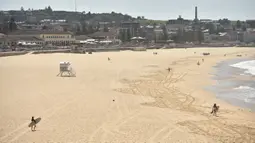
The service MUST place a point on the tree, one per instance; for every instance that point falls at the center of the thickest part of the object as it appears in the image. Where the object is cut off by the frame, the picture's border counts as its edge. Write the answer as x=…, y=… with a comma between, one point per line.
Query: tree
x=220, y=29
x=234, y=28
x=180, y=18
x=48, y=10
x=90, y=29
x=224, y=21
x=44, y=27
x=12, y=24
x=211, y=28
x=244, y=28
x=89, y=14
x=154, y=25
x=238, y=24
x=22, y=9
x=84, y=27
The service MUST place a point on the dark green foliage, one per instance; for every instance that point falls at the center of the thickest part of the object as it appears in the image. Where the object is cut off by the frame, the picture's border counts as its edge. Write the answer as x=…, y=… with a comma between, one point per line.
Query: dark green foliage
x=12, y=25
x=244, y=28
x=106, y=29
x=238, y=24
x=224, y=21
x=211, y=28
x=49, y=13
x=90, y=29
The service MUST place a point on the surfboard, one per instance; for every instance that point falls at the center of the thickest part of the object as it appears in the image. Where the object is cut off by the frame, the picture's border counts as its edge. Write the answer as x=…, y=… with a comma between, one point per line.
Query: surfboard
x=36, y=122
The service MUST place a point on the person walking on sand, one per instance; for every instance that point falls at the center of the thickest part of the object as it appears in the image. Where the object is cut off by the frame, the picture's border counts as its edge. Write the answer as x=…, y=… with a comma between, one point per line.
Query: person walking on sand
x=169, y=69
x=215, y=109
x=34, y=124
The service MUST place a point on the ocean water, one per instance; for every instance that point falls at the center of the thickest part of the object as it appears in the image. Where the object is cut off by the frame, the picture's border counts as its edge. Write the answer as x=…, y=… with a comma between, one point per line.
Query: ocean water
x=246, y=93
x=234, y=82
x=248, y=66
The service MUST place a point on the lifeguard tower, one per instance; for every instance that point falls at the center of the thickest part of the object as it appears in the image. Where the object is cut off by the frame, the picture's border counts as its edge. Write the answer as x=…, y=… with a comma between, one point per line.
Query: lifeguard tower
x=65, y=67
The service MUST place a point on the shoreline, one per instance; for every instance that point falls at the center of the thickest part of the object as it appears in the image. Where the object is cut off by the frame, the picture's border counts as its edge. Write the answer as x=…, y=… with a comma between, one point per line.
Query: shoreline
x=209, y=81
x=228, y=79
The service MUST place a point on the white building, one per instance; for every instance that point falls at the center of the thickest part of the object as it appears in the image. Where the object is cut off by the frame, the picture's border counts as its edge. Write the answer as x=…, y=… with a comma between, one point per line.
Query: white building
x=207, y=37
x=158, y=33
x=249, y=36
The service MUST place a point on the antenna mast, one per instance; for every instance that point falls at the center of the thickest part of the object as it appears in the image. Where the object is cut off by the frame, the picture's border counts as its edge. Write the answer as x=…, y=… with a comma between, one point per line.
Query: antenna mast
x=75, y=6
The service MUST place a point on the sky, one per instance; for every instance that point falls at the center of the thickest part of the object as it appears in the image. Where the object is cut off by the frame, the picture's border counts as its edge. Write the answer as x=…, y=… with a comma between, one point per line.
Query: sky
x=156, y=9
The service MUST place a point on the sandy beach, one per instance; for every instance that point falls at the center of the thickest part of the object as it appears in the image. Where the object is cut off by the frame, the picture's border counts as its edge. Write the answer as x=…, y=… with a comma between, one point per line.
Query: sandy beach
x=130, y=99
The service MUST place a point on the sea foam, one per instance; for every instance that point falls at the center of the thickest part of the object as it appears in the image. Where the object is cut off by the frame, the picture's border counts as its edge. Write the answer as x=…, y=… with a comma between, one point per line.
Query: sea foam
x=245, y=93
x=248, y=66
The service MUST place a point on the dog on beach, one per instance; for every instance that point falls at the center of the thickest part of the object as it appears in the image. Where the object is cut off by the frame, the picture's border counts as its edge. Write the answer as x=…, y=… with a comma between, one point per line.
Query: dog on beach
x=109, y=59
x=215, y=109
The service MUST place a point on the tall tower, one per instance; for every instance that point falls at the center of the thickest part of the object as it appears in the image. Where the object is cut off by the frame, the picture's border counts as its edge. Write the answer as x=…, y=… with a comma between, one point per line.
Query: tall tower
x=196, y=13
x=197, y=28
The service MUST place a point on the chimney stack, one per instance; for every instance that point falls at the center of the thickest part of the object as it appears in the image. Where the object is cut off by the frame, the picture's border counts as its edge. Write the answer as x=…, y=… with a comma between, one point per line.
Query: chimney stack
x=196, y=13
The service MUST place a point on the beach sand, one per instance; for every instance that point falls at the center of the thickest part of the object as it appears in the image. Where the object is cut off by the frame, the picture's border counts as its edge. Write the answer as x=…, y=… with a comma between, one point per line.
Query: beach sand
x=130, y=99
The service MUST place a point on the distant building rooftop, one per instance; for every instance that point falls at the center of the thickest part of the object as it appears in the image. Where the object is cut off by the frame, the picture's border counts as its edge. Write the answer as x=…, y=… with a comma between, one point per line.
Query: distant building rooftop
x=22, y=38
x=82, y=37
x=37, y=32
x=129, y=22
x=103, y=34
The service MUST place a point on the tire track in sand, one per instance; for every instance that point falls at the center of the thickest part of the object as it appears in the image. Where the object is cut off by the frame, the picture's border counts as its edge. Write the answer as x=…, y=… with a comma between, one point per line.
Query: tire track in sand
x=168, y=98
x=111, y=128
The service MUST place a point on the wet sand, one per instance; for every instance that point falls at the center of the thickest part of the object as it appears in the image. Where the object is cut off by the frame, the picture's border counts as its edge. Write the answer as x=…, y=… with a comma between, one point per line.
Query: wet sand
x=132, y=98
